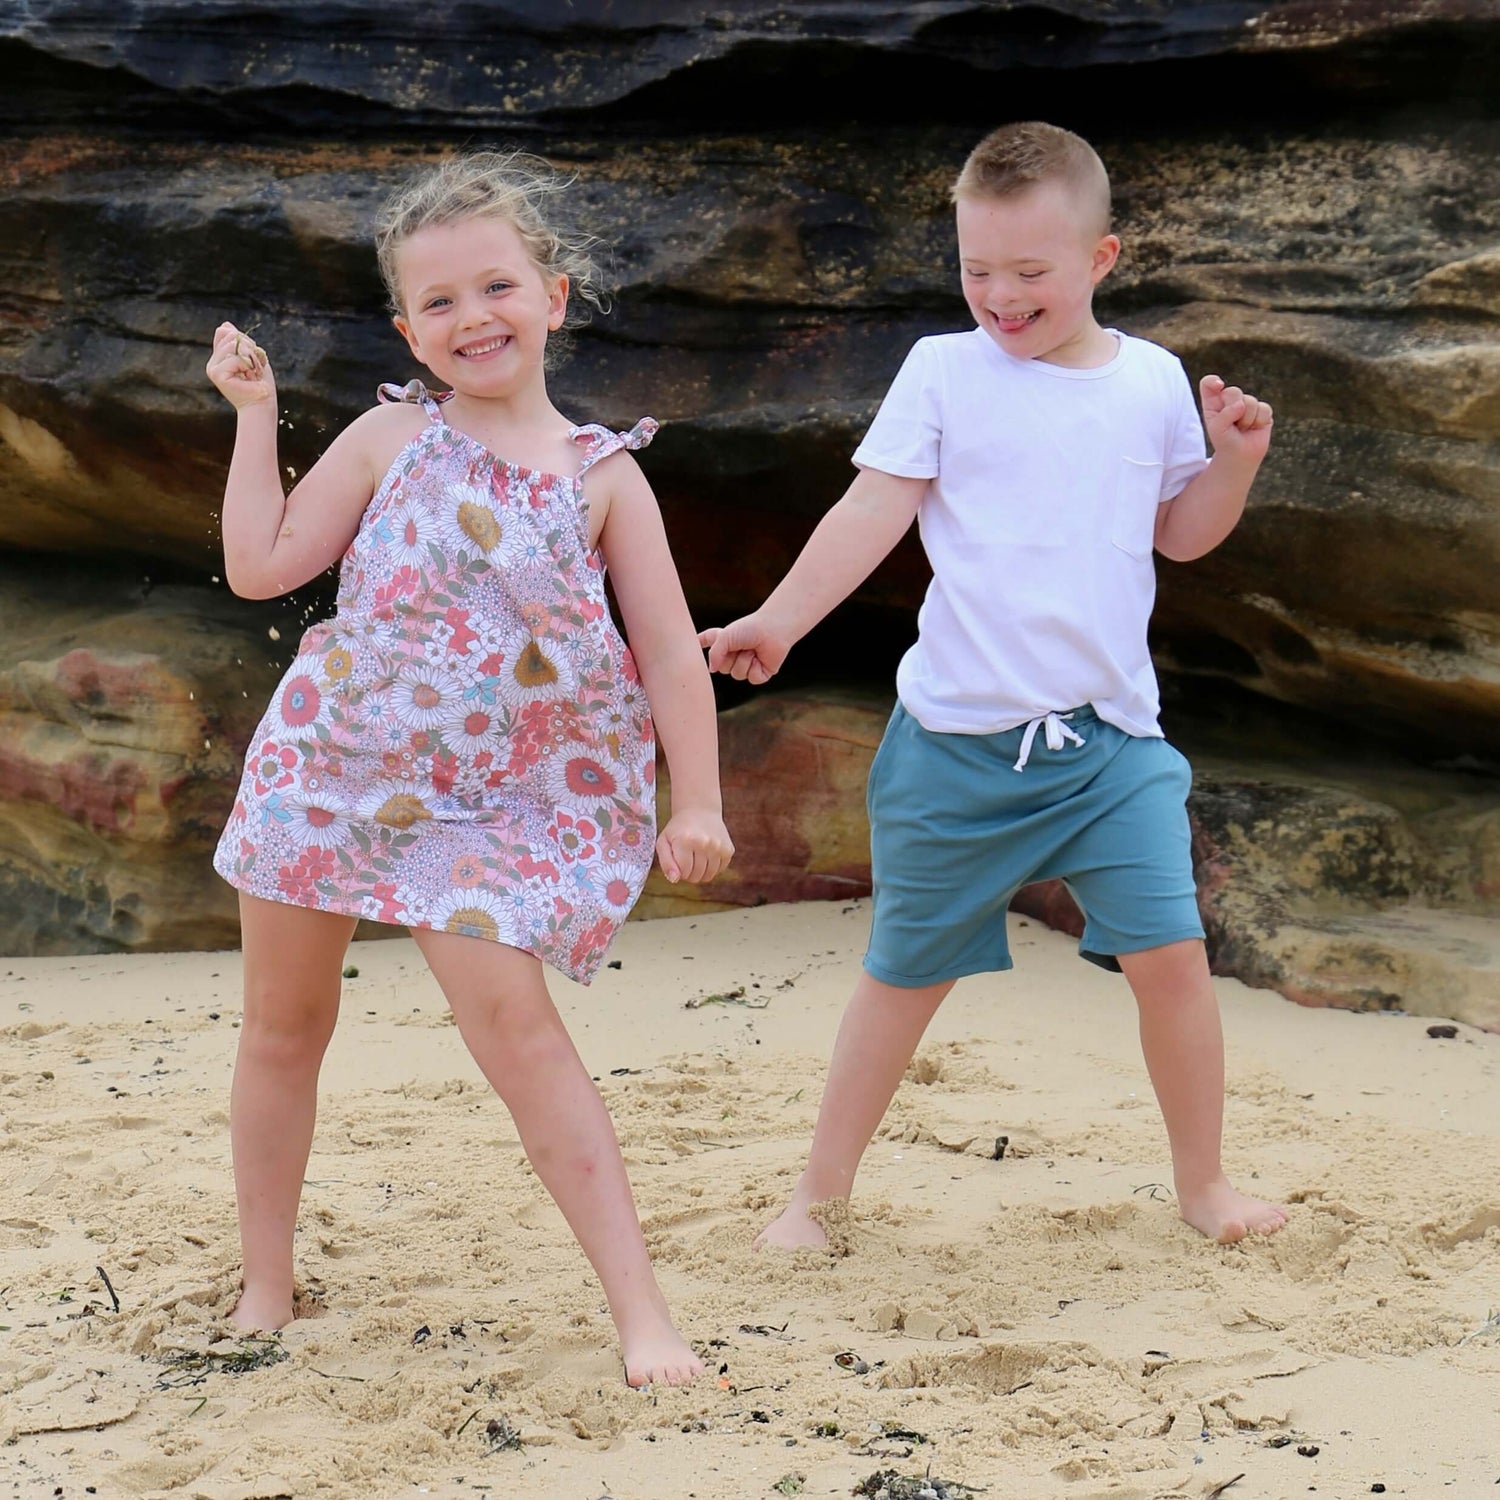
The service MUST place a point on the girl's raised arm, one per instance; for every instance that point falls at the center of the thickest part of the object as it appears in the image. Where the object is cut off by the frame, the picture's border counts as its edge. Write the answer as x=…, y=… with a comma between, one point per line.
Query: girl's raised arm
x=274, y=542
x=695, y=845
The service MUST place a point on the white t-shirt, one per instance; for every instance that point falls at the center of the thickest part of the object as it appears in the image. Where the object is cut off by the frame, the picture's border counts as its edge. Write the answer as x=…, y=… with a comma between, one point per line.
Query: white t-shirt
x=1038, y=524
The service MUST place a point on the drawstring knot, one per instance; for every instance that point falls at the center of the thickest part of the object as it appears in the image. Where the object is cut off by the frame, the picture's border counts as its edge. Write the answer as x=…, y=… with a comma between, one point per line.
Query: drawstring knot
x=1057, y=732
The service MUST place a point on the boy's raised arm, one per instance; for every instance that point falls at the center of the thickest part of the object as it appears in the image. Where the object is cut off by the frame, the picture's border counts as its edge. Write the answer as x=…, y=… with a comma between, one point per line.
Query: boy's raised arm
x=1209, y=508
x=847, y=546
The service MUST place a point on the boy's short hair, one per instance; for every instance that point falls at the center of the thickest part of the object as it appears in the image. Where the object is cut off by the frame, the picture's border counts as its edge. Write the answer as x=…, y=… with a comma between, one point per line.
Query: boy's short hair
x=1023, y=155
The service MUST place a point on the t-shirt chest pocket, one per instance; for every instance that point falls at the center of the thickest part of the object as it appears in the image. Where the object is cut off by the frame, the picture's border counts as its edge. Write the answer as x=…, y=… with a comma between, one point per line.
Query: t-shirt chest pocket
x=1137, y=494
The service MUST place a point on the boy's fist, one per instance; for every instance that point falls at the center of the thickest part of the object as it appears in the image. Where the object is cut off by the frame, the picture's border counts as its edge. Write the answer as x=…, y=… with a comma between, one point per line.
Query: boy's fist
x=748, y=650
x=1238, y=424
x=239, y=368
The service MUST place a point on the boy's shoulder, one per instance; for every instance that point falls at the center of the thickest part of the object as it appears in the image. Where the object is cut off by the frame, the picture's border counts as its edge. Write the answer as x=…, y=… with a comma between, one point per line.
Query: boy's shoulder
x=1152, y=354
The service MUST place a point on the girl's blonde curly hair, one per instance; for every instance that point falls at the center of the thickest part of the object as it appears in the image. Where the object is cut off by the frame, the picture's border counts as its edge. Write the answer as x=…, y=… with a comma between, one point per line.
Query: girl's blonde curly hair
x=513, y=186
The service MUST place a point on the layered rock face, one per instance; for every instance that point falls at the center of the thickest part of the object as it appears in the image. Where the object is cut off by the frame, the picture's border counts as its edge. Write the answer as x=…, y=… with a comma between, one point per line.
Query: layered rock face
x=1307, y=193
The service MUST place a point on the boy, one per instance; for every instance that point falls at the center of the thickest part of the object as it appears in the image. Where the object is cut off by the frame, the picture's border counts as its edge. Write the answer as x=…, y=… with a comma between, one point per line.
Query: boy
x=1044, y=458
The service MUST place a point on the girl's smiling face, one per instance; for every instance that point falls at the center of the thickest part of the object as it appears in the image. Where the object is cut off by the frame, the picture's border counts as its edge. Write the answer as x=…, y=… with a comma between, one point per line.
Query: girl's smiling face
x=477, y=308
x=1030, y=263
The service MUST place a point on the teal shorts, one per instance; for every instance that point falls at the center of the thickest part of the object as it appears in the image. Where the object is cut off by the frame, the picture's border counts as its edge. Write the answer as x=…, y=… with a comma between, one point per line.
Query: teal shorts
x=956, y=831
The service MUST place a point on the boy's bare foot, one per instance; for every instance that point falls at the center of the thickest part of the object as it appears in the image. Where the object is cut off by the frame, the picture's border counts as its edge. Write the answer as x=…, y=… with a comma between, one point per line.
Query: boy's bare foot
x=795, y=1229
x=659, y=1357
x=258, y=1312
x=1225, y=1214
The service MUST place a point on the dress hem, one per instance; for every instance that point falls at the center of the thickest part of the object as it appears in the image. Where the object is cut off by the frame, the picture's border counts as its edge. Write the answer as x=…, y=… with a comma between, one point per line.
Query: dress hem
x=333, y=909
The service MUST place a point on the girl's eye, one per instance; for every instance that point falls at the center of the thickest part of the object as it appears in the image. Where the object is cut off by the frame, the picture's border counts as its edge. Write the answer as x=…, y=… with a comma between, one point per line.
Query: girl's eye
x=498, y=286
x=436, y=303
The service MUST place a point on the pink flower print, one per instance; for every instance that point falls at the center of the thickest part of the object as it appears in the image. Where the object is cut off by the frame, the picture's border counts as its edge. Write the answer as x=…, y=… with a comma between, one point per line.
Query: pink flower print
x=299, y=880
x=583, y=781
x=274, y=767
x=574, y=837
x=591, y=610
x=387, y=906
x=592, y=943
x=467, y=872
x=463, y=637
x=298, y=702
x=531, y=869
x=623, y=840
x=444, y=773
x=403, y=582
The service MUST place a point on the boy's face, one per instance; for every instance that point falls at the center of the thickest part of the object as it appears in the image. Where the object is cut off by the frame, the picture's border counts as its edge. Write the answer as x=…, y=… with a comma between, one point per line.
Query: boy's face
x=1030, y=264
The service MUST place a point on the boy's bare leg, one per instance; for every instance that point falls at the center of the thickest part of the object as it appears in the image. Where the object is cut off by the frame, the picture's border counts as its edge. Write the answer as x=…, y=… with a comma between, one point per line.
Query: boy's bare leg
x=877, y=1037
x=506, y=1017
x=1184, y=1046
x=293, y=961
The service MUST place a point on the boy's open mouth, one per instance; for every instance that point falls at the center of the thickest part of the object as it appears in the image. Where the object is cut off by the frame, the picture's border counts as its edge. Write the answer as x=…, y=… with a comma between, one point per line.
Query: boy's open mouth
x=487, y=346
x=1015, y=322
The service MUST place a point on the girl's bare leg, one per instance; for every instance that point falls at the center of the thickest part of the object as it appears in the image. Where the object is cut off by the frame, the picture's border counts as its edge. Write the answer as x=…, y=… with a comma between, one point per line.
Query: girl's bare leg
x=507, y=1019
x=293, y=961
x=1184, y=1046
x=877, y=1037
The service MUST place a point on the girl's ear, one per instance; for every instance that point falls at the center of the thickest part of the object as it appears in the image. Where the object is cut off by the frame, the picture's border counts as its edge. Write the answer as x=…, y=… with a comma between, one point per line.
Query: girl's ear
x=557, y=304
x=404, y=329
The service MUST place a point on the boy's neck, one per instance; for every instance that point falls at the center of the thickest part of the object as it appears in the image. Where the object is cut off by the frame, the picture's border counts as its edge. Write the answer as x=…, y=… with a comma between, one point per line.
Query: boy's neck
x=1090, y=347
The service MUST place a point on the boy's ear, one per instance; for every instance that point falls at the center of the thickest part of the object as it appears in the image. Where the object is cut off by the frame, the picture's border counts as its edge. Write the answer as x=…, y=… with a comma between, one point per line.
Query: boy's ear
x=404, y=329
x=557, y=304
x=1106, y=253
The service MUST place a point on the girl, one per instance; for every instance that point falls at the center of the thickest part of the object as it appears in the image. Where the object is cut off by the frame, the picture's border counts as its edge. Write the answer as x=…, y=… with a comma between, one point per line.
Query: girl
x=465, y=749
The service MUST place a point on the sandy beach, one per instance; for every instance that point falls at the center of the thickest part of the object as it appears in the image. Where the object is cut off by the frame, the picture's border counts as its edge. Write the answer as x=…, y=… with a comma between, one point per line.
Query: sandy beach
x=1018, y=1307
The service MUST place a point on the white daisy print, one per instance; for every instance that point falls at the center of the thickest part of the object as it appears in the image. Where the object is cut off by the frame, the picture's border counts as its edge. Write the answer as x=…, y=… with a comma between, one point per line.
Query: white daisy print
x=533, y=669
x=425, y=695
x=478, y=525
x=318, y=821
x=475, y=913
x=473, y=727
x=409, y=530
x=529, y=902
x=617, y=886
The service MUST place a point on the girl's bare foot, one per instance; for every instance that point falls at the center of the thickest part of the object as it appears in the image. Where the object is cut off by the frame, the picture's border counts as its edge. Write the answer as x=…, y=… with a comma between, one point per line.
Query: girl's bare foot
x=795, y=1229
x=1225, y=1214
x=260, y=1312
x=659, y=1356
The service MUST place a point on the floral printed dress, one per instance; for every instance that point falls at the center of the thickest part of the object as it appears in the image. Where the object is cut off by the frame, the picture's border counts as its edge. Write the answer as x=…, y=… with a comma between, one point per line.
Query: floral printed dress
x=466, y=745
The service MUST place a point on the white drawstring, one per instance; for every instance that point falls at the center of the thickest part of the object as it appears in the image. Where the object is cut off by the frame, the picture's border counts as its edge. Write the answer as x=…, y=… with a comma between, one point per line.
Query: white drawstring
x=1057, y=732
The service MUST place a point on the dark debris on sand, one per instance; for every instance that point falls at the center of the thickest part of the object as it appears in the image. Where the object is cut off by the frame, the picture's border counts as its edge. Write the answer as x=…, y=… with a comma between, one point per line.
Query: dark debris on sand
x=887, y=1484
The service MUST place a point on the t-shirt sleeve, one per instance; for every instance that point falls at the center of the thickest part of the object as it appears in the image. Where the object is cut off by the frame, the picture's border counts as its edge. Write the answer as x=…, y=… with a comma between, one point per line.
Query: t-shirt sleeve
x=907, y=431
x=1187, y=456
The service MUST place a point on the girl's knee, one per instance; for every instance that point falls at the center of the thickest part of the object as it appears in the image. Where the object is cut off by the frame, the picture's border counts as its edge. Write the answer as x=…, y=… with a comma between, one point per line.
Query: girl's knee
x=291, y=1032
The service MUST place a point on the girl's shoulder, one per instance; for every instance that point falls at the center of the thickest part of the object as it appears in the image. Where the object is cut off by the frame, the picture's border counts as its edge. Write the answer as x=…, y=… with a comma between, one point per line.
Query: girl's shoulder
x=383, y=430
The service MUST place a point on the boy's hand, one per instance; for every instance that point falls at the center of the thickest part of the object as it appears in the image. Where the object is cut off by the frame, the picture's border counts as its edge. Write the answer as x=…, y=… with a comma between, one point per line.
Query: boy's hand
x=239, y=368
x=1238, y=425
x=694, y=846
x=749, y=650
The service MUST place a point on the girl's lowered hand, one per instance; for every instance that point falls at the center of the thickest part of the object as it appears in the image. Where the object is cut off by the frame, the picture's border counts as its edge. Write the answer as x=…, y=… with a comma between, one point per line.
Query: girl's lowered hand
x=239, y=368
x=694, y=846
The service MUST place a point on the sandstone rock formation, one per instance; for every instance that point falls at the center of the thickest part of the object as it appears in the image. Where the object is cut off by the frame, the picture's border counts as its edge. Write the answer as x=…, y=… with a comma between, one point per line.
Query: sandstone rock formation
x=1307, y=191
